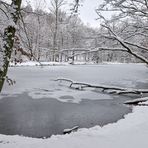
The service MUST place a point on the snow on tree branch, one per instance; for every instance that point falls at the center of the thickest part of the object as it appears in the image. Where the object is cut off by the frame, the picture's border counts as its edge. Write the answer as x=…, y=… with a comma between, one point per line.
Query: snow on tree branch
x=127, y=27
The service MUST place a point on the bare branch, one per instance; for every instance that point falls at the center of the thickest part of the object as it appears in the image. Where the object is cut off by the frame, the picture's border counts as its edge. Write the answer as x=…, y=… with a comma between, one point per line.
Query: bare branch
x=4, y=13
x=135, y=45
x=124, y=44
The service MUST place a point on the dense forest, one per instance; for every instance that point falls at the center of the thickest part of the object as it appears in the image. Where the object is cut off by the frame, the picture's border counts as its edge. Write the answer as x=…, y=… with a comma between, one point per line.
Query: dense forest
x=59, y=36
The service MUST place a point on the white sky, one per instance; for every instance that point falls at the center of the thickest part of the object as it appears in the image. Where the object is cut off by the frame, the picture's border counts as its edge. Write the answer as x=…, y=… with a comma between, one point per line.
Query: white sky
x=87, y=10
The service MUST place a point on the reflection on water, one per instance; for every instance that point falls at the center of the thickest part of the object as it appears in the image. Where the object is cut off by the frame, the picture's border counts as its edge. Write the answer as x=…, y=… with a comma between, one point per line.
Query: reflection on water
x=41, y=118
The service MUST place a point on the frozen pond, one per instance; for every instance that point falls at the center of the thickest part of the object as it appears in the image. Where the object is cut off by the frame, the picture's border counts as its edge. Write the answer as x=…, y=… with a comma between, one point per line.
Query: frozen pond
x=37, y=106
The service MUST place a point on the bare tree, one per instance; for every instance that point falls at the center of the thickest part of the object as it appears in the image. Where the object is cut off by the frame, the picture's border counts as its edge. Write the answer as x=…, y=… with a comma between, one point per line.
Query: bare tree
x=55, y=9
x=131, y=29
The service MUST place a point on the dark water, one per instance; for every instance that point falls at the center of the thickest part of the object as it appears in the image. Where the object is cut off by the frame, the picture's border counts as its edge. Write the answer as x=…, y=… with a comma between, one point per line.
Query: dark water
x=23, y=115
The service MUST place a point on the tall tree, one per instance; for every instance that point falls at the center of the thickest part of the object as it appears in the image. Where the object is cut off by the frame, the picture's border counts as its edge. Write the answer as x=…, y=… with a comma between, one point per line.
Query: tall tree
x=8, y=37
x=55, y=9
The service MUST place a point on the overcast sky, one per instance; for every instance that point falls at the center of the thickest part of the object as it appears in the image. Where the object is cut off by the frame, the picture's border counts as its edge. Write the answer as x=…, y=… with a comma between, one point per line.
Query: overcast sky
x=87, y=10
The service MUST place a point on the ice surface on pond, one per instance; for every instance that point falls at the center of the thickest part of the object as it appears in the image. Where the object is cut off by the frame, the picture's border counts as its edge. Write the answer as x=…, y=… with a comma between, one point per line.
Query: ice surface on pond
x=39, y=81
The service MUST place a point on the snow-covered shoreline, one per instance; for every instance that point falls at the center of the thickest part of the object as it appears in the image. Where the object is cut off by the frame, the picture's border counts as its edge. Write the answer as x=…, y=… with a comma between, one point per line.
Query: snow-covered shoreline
x=131, y=132
x=35, y=63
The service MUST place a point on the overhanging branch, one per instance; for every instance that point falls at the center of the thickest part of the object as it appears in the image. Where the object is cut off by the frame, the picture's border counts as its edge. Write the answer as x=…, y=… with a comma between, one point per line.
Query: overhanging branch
x=124, y=44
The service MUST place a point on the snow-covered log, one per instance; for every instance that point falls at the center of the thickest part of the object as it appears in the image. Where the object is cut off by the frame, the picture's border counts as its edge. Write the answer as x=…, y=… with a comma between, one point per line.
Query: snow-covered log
x=68, y=131
x=132, y=91
x=137, y=101
x=79, y=85
x=103, y=88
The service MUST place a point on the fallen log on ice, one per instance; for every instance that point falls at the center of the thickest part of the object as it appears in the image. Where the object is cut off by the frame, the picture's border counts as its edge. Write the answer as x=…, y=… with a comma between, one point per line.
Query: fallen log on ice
x=139, y=101
x=79, y=85
x=103, y=88
x=68, y=131
x=130, y=91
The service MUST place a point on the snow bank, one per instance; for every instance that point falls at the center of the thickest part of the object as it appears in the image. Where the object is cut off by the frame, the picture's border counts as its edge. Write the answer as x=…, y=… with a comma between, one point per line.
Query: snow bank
x=33, y=63
x=131, y=132
x=116, y=62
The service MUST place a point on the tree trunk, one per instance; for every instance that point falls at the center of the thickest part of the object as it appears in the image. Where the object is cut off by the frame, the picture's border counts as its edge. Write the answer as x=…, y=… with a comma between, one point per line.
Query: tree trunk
x=8, y=39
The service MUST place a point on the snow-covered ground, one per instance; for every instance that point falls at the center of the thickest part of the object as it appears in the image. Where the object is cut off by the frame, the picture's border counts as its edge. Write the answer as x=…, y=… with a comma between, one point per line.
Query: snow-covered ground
x=131, y=132
x=34, y=63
